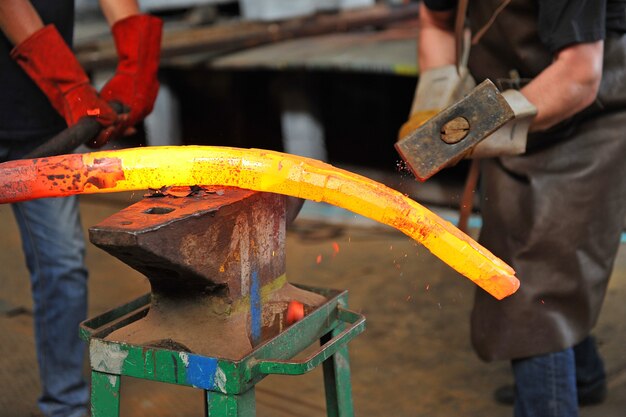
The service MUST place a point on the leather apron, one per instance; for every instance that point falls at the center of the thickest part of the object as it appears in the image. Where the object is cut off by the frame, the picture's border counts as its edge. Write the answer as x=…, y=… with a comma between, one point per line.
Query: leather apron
x=556, y=213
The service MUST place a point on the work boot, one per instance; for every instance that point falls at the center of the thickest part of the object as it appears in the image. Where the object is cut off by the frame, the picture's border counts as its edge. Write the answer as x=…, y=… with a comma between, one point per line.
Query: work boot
x=593, y=394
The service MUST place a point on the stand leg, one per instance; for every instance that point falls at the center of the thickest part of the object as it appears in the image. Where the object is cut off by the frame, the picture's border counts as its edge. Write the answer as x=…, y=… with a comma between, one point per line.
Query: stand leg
x=105, y=395
x=223, y=405
x=337, y=381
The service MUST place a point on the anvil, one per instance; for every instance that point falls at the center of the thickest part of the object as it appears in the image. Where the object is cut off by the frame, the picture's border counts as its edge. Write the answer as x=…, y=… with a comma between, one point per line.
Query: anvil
x=215, y=260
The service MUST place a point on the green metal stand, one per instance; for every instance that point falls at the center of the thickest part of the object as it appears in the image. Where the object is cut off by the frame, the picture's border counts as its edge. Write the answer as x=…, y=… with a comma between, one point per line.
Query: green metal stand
x=229, y=385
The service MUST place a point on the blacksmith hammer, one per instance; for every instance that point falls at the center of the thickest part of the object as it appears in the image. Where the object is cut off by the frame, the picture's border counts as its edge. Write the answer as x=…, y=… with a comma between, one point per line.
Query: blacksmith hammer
x=450, y=135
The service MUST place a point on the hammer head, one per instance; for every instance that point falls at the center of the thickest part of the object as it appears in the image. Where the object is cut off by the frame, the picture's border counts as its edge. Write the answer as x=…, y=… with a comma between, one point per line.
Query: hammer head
x=447, y=137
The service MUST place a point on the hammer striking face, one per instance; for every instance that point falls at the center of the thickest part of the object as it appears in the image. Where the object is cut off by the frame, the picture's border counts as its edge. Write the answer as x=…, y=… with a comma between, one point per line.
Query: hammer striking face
x=446, y=137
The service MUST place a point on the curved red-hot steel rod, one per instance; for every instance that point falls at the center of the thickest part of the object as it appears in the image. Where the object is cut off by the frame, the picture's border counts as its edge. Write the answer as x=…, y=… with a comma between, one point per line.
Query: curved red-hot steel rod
x=260, y=170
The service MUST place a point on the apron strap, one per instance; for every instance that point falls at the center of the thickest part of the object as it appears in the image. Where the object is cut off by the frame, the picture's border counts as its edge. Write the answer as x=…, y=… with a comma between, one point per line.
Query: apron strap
x=480, y=32
x=461, y=34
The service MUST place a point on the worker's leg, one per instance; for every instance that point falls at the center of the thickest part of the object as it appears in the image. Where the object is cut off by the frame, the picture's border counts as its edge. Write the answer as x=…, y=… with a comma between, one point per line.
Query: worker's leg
x=545, y=385
x=590, y=374
x=54, y=247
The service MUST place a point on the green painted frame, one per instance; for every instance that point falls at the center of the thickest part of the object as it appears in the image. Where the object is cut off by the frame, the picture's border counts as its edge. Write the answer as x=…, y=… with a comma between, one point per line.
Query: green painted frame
x=228, y=384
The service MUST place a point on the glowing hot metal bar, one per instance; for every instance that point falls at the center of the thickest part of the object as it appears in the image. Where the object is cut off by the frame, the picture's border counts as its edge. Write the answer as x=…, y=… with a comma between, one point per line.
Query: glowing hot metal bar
x=260, y=170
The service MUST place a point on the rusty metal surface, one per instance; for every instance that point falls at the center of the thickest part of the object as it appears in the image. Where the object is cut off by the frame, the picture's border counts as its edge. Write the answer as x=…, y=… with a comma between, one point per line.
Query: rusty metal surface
x=440, y=141
x=234, y=36
x=216, y=264
x=193, y=243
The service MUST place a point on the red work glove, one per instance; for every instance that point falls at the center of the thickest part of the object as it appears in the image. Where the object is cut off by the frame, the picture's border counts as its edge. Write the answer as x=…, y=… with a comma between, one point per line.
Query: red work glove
x=135, y=84
x=50, y=63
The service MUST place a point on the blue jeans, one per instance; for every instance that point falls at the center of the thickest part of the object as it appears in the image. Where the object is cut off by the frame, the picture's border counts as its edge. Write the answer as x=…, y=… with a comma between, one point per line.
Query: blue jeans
x=54, y=247
x=546, y=385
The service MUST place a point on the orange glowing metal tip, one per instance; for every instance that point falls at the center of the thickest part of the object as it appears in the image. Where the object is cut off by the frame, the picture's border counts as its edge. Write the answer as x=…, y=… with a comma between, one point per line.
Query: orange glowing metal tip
x=260, y=170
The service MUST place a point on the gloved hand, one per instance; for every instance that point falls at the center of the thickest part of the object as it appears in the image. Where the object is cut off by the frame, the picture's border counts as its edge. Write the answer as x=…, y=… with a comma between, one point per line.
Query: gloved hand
x=135, y=84
x=437, y=89
x=50, y=63
x=511, y=138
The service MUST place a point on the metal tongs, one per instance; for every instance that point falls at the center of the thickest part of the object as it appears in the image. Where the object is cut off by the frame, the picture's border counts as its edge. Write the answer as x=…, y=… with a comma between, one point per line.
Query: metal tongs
x=85, y=130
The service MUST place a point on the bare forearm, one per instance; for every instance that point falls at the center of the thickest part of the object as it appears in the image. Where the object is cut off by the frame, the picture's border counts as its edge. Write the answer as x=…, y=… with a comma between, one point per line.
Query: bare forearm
x=436, y=42
x=115, y=10
x=18, y=20
x=567, y=86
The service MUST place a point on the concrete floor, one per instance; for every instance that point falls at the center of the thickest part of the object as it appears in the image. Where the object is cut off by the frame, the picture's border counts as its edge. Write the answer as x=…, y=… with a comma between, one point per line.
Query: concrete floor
x=414, y=358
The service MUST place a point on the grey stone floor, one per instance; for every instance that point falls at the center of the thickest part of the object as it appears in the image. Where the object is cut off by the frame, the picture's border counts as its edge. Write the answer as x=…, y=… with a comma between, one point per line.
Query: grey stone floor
x=414, y=358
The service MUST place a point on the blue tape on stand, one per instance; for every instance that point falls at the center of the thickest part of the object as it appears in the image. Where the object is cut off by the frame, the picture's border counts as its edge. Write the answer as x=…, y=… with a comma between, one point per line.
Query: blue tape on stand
x=255, y=307
x=201, y=371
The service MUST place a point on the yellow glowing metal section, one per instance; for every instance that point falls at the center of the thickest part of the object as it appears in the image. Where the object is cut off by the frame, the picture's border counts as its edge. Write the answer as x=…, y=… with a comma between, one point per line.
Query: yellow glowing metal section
x=260, y=170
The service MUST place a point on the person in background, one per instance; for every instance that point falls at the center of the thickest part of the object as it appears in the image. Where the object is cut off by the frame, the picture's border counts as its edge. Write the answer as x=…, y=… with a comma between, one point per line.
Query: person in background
x=555, y=211
x=44, y=90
